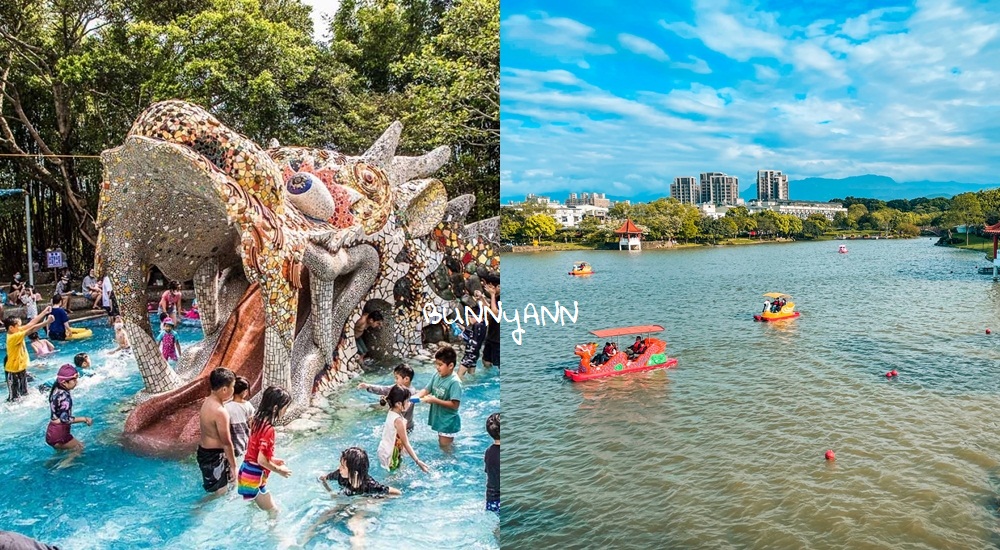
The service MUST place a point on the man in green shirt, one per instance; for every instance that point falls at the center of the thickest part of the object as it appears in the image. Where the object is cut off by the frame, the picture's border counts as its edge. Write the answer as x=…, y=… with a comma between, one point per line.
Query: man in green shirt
x=444, y=393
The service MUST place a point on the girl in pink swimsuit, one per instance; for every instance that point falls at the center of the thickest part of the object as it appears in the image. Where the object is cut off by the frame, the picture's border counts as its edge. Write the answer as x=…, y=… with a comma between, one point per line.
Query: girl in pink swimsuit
x=170, y=347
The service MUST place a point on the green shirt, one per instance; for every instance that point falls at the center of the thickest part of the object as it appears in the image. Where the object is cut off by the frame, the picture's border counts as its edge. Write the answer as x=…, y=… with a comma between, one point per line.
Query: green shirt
x=443, y=419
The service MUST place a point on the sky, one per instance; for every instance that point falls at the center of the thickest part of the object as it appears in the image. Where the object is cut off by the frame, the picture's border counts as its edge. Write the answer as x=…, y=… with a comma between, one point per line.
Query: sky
x=620, y=98
x=321, y=9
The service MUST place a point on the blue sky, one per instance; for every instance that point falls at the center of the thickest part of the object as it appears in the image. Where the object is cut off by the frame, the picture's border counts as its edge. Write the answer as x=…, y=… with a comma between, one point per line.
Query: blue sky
x=621, y=97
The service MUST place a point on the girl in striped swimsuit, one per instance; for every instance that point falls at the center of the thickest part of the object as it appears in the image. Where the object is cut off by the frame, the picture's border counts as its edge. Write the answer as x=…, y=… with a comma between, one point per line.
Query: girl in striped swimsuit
x=260, y=460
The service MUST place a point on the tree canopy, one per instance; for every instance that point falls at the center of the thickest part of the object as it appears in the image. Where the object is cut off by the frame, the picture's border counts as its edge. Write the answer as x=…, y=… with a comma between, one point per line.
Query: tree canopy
x=74, y=75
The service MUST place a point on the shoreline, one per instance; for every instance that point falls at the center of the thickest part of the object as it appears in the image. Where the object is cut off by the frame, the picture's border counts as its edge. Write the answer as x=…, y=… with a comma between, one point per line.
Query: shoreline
x=659, y=245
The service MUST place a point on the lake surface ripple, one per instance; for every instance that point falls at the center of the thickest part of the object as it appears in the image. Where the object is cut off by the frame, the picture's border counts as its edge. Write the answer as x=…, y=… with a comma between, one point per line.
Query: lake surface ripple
x=727, y=449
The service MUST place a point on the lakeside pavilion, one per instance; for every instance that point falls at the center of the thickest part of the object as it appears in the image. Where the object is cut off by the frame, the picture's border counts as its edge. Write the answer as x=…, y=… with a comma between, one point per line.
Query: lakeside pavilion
x=629, y=236
x=994, y=230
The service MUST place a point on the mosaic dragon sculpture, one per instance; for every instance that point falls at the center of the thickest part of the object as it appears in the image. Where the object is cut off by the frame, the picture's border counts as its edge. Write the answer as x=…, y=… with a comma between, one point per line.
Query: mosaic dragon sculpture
x=286, y=246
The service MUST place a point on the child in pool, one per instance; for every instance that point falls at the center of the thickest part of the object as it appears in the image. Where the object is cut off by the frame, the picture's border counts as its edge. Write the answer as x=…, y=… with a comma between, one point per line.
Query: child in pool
x=403, y=374
x=444, y=393
x=492, y=460
x=240, y=412
x=170, y=346
x=58, y=434
x=394, y=439
x=260, y=460
x=83, y=370
x=353, y=478
x=473, y=336
x=120, y=337
x=41, y=346
x=29, y=298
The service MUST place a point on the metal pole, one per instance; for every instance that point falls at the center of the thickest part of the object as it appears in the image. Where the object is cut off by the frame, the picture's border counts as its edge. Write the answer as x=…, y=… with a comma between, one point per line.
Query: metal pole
x=27, y=218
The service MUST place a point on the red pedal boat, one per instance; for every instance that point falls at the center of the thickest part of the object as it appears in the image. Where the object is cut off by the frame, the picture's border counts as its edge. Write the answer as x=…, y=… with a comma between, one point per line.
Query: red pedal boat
x=652, y=354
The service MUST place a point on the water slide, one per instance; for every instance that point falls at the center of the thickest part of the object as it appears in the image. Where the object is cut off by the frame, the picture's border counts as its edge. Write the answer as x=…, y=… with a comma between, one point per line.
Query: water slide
x=167, y=424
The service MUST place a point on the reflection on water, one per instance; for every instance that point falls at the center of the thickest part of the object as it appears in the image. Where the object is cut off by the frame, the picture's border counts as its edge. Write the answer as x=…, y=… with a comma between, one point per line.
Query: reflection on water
x=726, y=449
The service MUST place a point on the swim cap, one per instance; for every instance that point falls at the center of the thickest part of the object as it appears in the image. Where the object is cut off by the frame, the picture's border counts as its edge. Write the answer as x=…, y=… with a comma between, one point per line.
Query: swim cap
x=66, y=372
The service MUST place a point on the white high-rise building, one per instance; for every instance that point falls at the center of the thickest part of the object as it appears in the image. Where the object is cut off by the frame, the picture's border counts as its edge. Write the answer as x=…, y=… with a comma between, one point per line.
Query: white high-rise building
x=685, y=189
x=599, y=200
x=772, y=185
x=719, y=189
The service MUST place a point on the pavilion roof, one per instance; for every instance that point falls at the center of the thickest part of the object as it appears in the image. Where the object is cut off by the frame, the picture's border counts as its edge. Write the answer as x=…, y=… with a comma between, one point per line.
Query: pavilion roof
x=992, y=229
x=628, y=227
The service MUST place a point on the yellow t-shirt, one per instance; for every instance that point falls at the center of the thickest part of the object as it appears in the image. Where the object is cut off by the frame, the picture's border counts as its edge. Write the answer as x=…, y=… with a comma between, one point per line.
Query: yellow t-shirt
x=17, y=353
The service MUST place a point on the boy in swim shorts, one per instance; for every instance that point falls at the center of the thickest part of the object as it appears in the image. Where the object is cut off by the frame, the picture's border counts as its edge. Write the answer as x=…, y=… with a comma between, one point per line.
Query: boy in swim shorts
x=216, y=456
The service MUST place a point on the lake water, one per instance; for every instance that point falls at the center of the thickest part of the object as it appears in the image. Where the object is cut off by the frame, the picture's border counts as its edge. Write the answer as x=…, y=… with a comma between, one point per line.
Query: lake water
x=727, y=449
x=111, y=498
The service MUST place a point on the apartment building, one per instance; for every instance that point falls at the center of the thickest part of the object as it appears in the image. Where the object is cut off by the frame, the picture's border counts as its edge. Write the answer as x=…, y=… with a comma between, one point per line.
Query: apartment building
x=719, y=189
x=588, y=199
x=685, y=189
x=772, y=185
x=799, y=209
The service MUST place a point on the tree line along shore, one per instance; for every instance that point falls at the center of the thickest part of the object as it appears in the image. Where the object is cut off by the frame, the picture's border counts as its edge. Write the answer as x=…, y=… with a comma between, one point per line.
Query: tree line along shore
x=668, y=223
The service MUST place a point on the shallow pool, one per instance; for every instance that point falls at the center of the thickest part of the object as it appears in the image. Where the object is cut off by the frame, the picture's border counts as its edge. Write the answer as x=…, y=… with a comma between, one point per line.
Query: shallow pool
x=111, y=498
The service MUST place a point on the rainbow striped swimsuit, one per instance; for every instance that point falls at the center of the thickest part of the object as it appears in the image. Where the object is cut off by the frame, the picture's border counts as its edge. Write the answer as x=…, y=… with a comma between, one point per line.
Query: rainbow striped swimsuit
x=252, y=480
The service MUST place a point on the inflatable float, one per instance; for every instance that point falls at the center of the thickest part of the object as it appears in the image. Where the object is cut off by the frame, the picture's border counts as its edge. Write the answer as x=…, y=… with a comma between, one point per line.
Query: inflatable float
x=79, y=333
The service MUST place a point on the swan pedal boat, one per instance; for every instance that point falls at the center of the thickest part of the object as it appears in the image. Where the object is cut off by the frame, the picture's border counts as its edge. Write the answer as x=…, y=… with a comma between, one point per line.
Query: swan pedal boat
x=654, y=356
x=786, y=312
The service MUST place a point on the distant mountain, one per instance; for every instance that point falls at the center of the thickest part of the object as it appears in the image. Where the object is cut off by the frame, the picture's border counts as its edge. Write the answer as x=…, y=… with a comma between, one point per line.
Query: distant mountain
x=870, y=186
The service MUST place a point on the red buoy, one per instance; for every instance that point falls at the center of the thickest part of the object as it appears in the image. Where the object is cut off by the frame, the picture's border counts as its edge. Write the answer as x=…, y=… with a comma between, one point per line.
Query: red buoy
x=888, y=374
x=893, y=372
x=988, y=331
x=830, y=455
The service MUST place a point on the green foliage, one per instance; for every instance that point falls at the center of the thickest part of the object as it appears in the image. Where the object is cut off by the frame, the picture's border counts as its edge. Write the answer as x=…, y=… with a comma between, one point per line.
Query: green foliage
x=870, y=205
x=620, y=211
x=815, y=225
x=82, y=70
x=454, y=98
x=229, y=58
x=596, y=232
x=908, y=230
x=965, y=210
x=540, y=226
x=840, y=220
x=511, y=224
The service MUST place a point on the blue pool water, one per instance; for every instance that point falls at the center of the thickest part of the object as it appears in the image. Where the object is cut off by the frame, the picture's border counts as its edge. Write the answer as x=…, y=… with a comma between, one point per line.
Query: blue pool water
x=111, y=498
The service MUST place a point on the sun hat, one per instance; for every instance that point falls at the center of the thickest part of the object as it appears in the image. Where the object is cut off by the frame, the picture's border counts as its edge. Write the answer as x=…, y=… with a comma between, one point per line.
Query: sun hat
x=169, y=321
x=67, y=372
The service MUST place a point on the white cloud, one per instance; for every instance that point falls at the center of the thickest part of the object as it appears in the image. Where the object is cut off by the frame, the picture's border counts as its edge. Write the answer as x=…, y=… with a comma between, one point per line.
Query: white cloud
x=565, y=39
x=725, y=34
x=808, y=55
x=641, y=46
x=696, y=65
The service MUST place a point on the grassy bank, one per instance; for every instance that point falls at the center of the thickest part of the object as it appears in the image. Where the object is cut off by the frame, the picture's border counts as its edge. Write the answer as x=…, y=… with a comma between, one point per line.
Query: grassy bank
x=976, y=244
